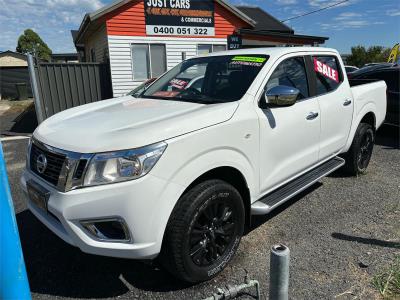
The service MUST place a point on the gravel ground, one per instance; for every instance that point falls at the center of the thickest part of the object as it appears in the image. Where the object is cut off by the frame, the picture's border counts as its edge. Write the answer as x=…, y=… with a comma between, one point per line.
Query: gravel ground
x=340, y=232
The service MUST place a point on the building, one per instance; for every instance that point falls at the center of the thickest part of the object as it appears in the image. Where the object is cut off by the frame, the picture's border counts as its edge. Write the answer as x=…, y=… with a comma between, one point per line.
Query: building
x=13, y=59
x=141, y=39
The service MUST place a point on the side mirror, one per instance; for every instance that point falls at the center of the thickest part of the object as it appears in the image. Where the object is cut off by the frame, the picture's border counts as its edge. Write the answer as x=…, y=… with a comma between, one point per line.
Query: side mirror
x=282, y=95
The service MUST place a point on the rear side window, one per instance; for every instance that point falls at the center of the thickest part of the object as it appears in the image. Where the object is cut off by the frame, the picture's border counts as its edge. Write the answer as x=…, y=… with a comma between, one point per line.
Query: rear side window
x=328, y=73
x=291, y=72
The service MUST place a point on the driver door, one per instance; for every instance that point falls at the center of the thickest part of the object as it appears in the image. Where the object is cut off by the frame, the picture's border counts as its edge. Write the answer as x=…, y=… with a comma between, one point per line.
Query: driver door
x=289, y=136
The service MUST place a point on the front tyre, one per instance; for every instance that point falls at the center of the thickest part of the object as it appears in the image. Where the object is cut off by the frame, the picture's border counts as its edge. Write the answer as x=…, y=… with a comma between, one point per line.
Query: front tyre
x=360, y=152
x=204, y=231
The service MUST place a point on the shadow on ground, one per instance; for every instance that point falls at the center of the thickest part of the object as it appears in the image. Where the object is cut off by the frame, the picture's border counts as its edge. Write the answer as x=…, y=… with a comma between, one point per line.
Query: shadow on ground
x=257, y=221
x=58, y=269
x=18, y=122
x=367, y=241
x=26, y=122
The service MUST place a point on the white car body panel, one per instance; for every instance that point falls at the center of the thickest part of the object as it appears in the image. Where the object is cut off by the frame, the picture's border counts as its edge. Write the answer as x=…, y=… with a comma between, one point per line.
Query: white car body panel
x=367, y=99
x=269, y=147
x=336, y=119
x=126, y=123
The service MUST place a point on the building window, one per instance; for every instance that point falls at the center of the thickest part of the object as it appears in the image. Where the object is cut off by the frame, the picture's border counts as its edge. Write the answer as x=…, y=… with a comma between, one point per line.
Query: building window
x=218, y=48
x=148, y=61
x=204, y=49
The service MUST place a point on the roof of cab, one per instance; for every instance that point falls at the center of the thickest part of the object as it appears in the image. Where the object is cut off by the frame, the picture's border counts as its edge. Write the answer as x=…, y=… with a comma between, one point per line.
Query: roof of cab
x=275, y=51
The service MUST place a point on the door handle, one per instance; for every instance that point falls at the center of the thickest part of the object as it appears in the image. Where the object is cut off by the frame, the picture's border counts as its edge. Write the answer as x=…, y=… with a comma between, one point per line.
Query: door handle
x=312, y=115
x=347, y=102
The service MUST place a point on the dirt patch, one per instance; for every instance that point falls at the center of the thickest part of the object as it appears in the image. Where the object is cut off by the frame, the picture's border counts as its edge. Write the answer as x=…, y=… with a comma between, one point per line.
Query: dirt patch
x=14, y=106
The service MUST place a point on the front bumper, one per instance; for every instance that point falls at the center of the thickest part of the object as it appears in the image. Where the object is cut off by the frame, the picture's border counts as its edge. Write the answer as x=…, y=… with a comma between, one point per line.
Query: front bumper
x=144, y=204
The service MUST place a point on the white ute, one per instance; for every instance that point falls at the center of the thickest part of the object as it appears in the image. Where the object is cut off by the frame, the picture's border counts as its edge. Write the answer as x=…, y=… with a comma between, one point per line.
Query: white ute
x=178, y=172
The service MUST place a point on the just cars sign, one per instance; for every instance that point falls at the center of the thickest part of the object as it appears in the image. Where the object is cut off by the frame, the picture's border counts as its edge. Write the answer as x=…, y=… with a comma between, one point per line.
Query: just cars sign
x=180, y=17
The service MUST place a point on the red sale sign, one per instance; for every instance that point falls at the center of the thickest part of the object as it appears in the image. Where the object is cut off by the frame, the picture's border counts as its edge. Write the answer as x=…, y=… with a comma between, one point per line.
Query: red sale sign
x=326, y=70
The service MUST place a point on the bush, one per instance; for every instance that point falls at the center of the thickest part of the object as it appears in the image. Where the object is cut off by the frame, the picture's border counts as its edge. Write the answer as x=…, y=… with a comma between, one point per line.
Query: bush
x=360, y=55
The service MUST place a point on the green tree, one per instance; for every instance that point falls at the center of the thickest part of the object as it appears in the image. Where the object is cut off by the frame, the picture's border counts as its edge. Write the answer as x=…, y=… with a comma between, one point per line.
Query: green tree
x=360, y=55
x=30, y=42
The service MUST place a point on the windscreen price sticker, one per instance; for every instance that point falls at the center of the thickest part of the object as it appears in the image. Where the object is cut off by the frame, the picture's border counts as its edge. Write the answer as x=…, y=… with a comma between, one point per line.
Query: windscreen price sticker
x=179, y=30
x=325, y=70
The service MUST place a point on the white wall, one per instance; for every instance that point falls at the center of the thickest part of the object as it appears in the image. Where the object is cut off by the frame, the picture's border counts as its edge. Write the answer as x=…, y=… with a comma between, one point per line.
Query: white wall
x=121, y=60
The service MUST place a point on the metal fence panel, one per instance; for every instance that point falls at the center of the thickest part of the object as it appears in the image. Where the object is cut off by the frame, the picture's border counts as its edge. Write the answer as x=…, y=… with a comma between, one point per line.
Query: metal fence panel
x=9, y=76
x=65, y=85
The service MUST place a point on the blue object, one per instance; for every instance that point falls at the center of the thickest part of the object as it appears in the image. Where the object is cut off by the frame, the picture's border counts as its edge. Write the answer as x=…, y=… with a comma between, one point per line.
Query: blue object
x=13, y=280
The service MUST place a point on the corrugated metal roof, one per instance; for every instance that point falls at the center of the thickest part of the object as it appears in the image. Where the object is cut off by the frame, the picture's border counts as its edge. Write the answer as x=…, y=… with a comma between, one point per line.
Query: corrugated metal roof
x=90, y=17
x=9, y=52
x=264, y=21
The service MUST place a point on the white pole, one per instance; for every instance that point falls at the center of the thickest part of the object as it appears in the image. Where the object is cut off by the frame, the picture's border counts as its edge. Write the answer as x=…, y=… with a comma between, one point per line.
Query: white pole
x=35, y=90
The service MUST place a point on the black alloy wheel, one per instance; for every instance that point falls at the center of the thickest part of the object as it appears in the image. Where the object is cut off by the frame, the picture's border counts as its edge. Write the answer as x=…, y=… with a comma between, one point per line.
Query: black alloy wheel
x=212, y=232
x=365, y=150
x=204, y=231
x=359, y=155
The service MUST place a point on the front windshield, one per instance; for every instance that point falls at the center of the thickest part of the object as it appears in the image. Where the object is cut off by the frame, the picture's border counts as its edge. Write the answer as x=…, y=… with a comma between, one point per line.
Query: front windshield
x=208, y=80
x=137, y=91
x=141, y=88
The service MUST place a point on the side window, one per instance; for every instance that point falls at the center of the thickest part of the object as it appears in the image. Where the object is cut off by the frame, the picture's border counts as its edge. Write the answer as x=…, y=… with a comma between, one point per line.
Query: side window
x=291, y=72
x=328, y=73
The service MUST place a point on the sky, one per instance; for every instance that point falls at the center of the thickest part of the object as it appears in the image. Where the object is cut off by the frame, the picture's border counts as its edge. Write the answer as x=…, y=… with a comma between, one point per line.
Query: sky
x=356, y=22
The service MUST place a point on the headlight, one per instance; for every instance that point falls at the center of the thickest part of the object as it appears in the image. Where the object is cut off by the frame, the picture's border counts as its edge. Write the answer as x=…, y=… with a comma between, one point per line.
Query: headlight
x=123, y=165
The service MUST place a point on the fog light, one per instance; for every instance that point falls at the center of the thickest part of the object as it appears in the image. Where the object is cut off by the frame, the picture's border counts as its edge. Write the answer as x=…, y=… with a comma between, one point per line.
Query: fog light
x=108, y=230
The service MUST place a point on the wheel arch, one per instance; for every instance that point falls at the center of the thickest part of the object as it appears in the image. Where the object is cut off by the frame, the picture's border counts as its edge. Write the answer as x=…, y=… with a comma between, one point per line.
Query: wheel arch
x=367, y=115
x=370, y=119
x=232, y=176
x=228, y=174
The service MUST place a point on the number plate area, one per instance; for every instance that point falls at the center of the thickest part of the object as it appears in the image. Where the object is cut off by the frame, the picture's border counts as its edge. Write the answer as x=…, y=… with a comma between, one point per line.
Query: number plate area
x=38, y=195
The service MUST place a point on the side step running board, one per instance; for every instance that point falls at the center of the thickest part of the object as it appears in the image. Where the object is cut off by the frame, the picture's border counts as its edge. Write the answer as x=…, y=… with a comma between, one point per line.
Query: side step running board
x=292, y=188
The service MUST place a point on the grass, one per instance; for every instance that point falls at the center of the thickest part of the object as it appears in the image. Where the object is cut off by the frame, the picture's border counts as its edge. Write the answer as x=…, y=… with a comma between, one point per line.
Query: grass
x=388, y=282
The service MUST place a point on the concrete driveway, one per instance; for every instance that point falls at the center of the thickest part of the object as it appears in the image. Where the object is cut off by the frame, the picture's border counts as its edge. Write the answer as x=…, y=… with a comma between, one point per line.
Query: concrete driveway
x=341, y=232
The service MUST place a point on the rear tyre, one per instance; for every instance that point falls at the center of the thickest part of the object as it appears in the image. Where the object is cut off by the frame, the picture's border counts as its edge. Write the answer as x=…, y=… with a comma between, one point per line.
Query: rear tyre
x=360, y=152
x=204, y=231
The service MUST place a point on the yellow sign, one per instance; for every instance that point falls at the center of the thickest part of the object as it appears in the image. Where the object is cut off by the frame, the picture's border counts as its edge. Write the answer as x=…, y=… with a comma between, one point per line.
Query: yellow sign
x=249, y=59
x=394, y=54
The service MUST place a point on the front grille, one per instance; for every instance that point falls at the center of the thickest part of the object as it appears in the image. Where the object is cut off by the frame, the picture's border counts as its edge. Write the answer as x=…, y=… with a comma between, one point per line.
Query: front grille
x=54, y=164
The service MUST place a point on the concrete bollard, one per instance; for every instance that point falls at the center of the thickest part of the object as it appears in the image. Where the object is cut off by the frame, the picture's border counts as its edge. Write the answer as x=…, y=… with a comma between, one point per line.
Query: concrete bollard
x=279, y=273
